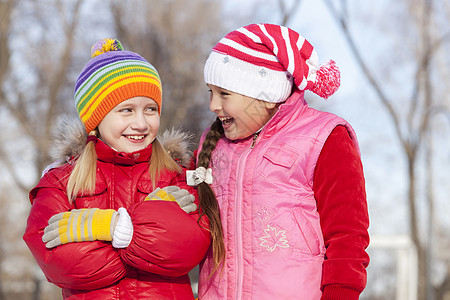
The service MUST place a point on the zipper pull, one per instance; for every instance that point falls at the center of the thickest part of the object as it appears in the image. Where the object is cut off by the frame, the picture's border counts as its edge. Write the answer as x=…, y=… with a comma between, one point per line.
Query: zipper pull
x=255, y=136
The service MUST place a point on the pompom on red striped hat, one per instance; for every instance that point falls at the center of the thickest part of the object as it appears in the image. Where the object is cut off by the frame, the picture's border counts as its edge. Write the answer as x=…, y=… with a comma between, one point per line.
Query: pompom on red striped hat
x=265, y=61
x=113, y=75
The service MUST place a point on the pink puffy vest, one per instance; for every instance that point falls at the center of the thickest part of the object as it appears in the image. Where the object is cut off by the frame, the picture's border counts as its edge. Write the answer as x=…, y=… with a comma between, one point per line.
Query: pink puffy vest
x=274, y=243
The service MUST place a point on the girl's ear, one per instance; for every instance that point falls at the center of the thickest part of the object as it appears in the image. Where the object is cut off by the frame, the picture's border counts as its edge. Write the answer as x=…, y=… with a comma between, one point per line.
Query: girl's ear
x=270, y=105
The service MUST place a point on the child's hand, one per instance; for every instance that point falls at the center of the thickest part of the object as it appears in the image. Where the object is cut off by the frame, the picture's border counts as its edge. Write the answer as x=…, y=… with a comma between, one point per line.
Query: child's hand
x=80, y=225
x=173, y=193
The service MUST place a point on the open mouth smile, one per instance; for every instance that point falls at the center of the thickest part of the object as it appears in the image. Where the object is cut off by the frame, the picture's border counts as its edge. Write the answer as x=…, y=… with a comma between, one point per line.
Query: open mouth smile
x=226, y=120
x=135, y=137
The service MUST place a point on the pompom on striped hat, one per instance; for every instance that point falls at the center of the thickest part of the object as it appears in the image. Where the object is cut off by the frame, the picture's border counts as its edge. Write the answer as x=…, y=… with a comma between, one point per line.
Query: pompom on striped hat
x=113, y=75
x=265, y=62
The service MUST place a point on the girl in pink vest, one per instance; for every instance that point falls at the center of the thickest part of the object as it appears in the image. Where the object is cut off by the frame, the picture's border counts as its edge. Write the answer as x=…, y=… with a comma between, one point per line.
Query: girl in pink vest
x=287, y=178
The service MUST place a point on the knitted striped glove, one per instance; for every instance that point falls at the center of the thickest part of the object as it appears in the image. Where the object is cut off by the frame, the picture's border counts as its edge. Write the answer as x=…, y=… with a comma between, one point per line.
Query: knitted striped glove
x=173, y=193
x=80, y=225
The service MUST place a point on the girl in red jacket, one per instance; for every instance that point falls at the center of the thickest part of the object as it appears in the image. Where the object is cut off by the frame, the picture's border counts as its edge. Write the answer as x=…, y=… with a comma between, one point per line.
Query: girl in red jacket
x=108, y=224
x=288, y=178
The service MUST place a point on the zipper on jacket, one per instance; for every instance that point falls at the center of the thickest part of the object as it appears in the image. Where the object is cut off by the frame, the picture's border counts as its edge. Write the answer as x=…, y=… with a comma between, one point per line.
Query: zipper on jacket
x=238, y=219
x=255, y=136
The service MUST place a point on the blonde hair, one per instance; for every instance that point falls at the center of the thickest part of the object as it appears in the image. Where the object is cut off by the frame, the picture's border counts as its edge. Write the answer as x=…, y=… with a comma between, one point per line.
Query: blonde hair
x=84, y=173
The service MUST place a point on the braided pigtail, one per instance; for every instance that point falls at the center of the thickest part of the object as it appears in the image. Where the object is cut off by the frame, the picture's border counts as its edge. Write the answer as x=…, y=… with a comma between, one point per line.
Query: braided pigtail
x=208, y=202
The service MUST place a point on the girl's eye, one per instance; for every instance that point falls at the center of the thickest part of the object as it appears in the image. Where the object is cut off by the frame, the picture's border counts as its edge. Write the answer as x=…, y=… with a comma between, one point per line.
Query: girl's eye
x=152, y=108
x=125, y=110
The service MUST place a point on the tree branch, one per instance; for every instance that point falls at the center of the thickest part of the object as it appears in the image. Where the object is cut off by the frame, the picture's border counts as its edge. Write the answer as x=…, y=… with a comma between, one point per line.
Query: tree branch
x=287, y=13
x=11, y=170
x=370, y=77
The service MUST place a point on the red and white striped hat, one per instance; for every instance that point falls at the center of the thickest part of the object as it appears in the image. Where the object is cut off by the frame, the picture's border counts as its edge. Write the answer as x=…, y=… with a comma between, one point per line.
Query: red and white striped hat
x=264, y=61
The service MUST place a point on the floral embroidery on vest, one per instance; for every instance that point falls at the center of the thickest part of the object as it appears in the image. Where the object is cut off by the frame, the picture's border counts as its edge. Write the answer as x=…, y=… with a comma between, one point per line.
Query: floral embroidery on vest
x=274, y=238
x=264, y=215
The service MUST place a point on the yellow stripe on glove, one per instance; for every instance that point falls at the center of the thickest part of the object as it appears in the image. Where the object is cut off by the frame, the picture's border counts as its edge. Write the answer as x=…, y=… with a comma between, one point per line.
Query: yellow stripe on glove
x=161, y=194
x=80, y=225
x=173, y=193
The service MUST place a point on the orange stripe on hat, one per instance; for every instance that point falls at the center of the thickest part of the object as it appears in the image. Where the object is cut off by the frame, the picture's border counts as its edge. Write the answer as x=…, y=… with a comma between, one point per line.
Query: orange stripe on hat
x=111, y=77
x=113, y=98
x=97, y=98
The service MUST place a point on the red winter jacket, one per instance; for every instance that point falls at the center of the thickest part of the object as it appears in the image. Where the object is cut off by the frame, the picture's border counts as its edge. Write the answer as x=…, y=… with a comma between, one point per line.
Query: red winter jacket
x=167, y=242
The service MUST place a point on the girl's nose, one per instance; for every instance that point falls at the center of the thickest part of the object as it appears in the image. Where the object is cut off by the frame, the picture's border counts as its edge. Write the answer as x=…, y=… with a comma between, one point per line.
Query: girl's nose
x=139, y=121
x=215, y=104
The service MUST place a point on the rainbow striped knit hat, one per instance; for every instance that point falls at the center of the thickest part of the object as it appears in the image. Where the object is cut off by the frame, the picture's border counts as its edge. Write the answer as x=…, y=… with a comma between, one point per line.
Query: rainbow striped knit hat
x=265, y=61
x=110, y=77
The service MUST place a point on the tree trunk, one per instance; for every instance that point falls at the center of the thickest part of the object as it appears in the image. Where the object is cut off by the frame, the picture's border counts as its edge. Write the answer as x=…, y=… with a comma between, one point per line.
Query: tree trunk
x=37, y=288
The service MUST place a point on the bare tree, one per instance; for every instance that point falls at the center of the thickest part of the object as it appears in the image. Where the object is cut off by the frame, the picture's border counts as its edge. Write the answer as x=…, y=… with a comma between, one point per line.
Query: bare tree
x=430, y=35
x=6, y=8
x=422, y=30
x=31, y=93
x=42, y=50
x=286, y=12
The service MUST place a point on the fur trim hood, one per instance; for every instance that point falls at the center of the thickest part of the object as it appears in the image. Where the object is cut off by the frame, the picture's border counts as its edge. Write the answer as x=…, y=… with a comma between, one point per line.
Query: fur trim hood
x=70, y=139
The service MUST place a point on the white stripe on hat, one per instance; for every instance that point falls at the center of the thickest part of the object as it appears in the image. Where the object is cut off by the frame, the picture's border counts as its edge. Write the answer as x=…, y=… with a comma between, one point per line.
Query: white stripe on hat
x=300, y=42
x=246, y=50
x=290, y=51
x=313, y=64
x=303, y=84
x=250, y=34
x=275, y=46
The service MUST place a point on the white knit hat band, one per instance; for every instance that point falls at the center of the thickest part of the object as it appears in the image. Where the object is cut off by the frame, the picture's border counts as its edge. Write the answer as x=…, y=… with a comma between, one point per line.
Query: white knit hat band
x=247, y=79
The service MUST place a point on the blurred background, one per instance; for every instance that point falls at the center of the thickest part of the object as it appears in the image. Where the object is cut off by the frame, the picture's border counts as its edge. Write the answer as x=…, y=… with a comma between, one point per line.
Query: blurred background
x=395, y=64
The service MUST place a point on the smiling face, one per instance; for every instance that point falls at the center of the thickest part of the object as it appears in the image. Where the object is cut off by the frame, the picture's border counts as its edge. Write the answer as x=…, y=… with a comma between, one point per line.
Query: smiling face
x=131, y=125
x=241, y=116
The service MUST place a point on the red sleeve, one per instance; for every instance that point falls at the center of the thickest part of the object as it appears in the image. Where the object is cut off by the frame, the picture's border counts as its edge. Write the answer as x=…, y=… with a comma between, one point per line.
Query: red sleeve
x=339, y=188
x=85, y=265
x=193, y=163
x=166, y=240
